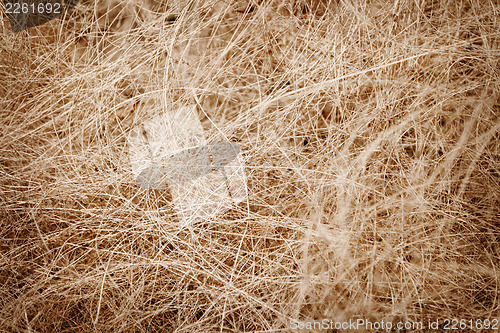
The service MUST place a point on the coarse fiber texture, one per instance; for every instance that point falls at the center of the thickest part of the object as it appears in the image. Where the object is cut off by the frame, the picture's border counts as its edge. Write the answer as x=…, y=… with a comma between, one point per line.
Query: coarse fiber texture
x=370, y=135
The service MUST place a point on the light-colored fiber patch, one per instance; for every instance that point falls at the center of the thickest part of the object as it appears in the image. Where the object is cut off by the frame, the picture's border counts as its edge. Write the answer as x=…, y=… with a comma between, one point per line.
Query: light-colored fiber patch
x=369, y=140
